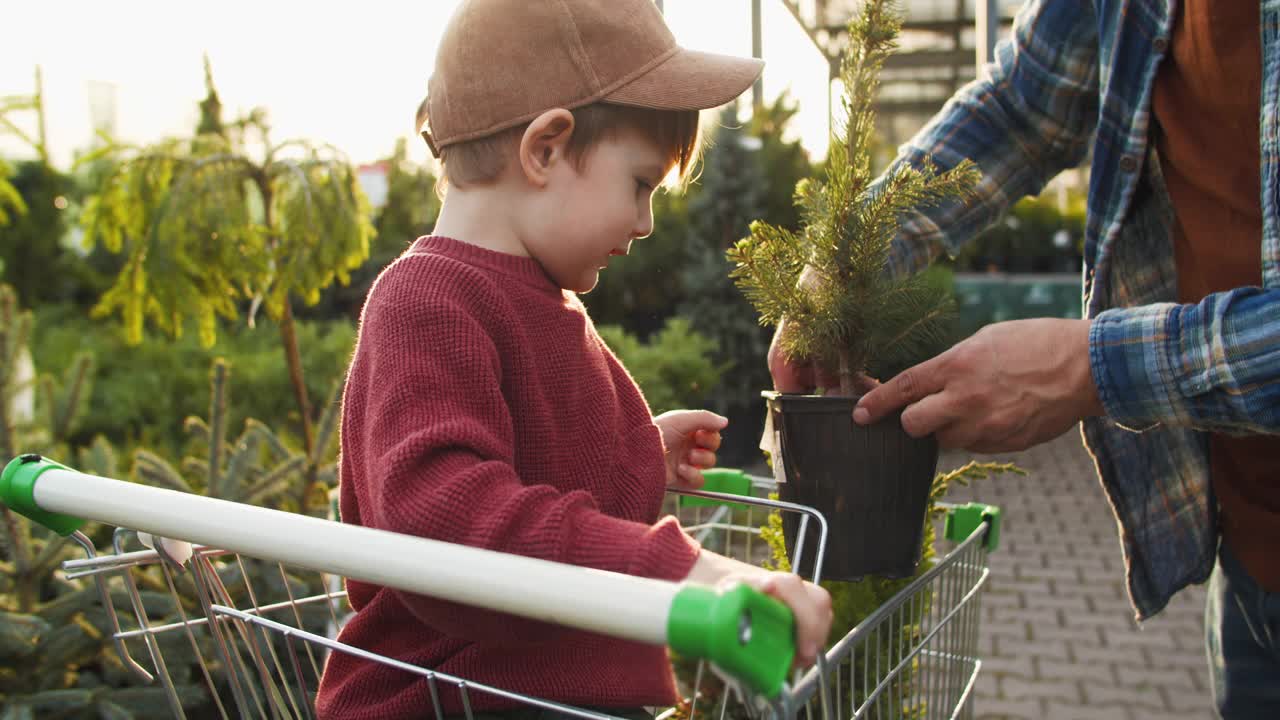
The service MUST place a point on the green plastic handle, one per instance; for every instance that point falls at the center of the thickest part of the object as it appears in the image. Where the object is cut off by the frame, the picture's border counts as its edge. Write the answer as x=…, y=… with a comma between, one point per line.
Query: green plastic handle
x=962, y=520
x=721, y=480
x=743, y=631
x=17, y=491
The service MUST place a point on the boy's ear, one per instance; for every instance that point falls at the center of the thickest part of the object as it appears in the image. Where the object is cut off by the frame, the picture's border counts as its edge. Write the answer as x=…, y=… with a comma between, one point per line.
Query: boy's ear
x=544, y=144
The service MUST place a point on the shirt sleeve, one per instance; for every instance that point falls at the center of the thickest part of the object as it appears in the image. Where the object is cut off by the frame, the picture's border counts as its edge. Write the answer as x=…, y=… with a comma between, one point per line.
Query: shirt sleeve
x=439, y=448
x=1211, y=366
x=1031, y=118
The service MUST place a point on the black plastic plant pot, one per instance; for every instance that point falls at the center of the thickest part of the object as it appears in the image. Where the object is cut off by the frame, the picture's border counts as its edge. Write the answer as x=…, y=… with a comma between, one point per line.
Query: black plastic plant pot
x=870, y=482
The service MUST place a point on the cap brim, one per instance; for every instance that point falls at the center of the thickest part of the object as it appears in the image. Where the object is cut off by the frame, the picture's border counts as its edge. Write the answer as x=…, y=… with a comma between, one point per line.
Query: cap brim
x=689, y=80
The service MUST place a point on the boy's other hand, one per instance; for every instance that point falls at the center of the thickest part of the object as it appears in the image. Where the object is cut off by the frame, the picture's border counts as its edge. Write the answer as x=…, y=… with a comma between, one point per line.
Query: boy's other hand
x=690, y=439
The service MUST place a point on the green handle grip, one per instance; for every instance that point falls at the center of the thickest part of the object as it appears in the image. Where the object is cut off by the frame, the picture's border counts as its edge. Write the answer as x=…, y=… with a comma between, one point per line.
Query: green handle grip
x=962, y=520
x=17, y=491
x=743, y=631
x=721, y=480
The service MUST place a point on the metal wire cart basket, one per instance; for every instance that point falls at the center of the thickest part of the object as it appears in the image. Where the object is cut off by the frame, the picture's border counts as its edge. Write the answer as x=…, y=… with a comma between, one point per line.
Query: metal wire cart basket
x=232, y=609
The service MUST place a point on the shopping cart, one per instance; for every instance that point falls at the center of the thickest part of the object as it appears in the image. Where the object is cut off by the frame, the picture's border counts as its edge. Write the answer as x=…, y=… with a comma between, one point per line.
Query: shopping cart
x=236, y=619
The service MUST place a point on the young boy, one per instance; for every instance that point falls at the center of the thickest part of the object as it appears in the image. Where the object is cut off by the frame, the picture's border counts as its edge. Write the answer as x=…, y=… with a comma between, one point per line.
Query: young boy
x=481, y=406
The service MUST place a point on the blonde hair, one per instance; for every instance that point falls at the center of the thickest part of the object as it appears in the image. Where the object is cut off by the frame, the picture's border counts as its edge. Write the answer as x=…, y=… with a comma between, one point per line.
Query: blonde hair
x=481, y=161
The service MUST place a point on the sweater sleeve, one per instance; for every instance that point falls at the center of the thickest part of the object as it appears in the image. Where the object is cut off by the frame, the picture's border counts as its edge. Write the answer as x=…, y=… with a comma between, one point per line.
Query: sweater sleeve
x=438, y=453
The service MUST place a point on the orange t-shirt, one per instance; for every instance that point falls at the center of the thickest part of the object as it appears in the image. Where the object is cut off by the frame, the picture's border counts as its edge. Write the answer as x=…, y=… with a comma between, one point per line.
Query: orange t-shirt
x=1207, y=102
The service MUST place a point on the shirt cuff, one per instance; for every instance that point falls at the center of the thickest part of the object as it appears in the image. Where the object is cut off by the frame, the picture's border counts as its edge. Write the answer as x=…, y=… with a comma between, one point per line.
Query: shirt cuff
x=1132, y=365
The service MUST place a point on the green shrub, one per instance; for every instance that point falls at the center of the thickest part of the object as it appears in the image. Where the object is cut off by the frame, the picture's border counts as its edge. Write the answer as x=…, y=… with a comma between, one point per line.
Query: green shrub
x=1024, y=240
x=143, y=394
x=674, y=369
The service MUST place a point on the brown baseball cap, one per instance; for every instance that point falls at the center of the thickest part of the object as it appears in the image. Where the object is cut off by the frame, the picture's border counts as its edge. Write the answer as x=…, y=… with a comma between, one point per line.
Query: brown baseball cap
x=503, y=62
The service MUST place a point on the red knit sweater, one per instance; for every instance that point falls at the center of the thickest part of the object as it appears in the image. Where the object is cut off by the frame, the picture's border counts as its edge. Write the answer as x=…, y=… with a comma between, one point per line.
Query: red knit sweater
x=482, y=408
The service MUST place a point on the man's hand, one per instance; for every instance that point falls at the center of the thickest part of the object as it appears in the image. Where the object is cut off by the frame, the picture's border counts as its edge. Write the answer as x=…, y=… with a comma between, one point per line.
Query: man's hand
x=690, y=438
x=1012, y=385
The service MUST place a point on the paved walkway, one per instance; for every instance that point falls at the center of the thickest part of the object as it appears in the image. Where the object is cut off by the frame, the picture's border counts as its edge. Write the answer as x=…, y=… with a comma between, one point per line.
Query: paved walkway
x=1058, y=635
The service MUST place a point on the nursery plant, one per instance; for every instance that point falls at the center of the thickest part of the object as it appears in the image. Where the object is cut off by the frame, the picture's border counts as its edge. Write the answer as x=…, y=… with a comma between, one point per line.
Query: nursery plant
x=226, y=220
x=56, y=654
x=853, y=318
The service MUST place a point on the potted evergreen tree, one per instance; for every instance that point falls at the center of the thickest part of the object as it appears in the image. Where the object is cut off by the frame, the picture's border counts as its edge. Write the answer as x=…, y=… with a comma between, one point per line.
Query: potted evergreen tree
x=853, y=319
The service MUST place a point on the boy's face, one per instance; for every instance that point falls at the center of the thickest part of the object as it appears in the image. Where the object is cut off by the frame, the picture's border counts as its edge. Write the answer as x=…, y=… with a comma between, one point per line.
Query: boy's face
x=596, y=211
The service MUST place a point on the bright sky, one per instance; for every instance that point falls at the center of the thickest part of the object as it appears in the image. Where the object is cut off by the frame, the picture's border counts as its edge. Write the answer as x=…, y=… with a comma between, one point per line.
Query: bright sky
x=350, y=74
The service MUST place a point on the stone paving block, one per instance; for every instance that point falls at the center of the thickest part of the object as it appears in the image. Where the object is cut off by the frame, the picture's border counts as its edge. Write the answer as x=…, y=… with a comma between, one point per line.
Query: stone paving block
x=1059, y=573
x=1105, y=604
x=1068, y=605
x=1108, y=624
x=1153, y=640
x=1093, y=563
x=986, y=644
x=1008, y=710
x=1170, y=679
x=1133, y=697
x=1115, y=656
x=1191, y=599
x=997, y=599
x=1090, y=550
x=1108, y=590
x=1190, y=643
x=1023, y=546
x=1016, y=688
x=1032, y=615
x=1147, y=714
x=1182, y=622
x=1056, y=710
x=1001, y=665
x=1199, y=703
x=1003, y=628
x=1069, y=633
x=1100, y=673
x=1016, y=585
x=1100, y=576
x=1195, y=662
x=1052, y=649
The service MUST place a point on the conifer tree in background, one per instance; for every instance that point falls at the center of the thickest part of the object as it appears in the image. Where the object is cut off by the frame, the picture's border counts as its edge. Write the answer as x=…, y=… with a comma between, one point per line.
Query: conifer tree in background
x=33, y=206
x=227, y=218
x=408, y=212
x=11, y=202
x=852, y=317
x=784, y=161
x=733, y=187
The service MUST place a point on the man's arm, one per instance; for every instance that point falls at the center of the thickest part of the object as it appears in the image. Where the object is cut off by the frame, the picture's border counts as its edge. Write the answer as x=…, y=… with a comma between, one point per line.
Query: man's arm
x=1214, y=366
x=1032, y=118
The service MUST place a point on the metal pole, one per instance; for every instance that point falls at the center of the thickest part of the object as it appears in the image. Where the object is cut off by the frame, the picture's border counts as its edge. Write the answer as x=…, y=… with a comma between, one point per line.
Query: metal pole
x=757, y=50
x=986, y=21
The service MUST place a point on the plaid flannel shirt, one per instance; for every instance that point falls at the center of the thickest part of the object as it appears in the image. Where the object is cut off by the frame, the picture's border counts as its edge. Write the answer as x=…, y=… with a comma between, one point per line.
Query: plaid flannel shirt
x=1078, y=75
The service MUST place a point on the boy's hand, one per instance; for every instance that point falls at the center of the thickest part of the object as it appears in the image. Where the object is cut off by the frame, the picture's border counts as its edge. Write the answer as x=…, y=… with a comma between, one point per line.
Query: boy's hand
x=690, y=439
x=810, y=605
